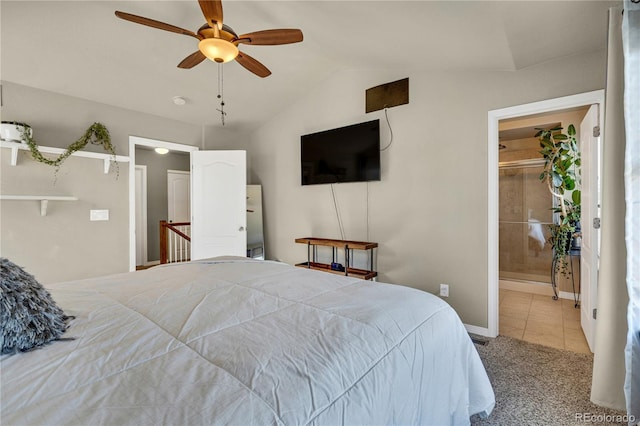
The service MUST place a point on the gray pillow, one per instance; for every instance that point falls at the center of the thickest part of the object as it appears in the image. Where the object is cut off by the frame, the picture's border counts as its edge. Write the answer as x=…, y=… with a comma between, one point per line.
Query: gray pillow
x=29, y=318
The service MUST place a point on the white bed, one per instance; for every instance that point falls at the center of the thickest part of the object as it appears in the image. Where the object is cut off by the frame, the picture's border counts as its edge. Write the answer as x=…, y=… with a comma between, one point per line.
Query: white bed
x=238, y=341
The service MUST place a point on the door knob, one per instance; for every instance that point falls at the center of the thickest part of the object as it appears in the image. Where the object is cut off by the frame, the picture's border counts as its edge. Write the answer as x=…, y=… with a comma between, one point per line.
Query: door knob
x=241, y=229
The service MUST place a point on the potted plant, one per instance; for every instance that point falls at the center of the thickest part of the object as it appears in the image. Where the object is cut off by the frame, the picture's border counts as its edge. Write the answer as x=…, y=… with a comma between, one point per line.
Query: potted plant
x=562, y=174
x=12, y=131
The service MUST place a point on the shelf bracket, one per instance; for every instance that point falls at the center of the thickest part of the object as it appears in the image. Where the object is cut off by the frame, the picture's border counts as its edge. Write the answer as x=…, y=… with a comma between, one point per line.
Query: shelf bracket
x=107, y=165
x=14, y=156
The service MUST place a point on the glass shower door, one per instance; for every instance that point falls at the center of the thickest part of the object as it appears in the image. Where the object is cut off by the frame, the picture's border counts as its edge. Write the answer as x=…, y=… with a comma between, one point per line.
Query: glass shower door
x=524, y=215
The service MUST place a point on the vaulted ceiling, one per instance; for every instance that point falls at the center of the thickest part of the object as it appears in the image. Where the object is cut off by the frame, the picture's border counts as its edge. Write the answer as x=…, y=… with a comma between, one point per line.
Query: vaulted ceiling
x=81, y=49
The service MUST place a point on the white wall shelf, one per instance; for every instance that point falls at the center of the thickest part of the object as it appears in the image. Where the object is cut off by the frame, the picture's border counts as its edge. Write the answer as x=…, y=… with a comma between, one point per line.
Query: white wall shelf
x=106, y=158
x=44, y=200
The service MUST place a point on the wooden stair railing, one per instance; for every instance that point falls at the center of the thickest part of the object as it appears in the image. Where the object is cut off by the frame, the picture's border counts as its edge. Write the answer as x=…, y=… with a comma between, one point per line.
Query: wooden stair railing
x=175, y=243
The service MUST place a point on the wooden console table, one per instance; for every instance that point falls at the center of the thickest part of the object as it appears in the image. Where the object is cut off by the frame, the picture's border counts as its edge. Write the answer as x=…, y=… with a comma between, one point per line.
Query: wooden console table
x=347, y=246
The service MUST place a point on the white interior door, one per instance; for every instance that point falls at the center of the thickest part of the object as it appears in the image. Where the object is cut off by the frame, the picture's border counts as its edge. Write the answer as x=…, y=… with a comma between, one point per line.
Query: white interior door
x=590, y=153
x=141, y=214
x=218, y=204
x=178, y=196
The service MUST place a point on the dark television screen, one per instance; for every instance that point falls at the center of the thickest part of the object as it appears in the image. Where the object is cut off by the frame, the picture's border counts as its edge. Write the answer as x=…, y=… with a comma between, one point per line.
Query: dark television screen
x=346, y=154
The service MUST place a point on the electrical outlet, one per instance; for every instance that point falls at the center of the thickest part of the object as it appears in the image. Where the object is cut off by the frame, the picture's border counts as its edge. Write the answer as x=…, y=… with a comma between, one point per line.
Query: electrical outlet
x=444, y=290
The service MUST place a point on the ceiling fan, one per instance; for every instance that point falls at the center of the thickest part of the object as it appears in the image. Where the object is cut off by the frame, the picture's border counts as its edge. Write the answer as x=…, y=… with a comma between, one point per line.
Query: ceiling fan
x=218, y=41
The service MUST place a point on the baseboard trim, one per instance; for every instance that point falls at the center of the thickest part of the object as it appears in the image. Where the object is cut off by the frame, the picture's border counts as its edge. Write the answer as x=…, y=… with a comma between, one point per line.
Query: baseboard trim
x=568, y=295
x=480, y=331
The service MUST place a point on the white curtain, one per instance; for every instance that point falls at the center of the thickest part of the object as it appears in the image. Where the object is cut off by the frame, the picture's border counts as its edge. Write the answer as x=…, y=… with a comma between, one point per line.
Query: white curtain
x=631, y=48
x=611, y=324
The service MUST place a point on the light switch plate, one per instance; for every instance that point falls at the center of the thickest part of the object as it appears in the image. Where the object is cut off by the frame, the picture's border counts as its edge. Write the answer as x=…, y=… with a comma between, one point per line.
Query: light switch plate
x=98, y=215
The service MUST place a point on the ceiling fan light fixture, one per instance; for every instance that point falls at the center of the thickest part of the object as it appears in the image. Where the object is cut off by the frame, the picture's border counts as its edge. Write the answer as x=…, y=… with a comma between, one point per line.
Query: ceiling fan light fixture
x=161, y=151
x=218, y=50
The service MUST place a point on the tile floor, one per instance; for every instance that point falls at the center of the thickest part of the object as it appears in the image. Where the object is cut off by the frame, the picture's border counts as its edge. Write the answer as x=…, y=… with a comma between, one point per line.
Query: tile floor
x=542, y=320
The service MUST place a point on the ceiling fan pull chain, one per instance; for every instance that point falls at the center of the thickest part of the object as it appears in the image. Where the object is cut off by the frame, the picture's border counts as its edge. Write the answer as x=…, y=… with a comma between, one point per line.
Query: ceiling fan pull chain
x=219, y=88
x=221, y=92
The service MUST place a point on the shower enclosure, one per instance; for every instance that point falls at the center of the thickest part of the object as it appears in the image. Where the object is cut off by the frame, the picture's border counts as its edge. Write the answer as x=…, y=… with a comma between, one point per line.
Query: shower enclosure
x=524, y=215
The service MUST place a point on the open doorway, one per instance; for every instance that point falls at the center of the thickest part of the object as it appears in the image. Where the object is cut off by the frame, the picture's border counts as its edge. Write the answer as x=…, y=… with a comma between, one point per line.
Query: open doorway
x=540, y=301
x=533, y=110
x=136, y=142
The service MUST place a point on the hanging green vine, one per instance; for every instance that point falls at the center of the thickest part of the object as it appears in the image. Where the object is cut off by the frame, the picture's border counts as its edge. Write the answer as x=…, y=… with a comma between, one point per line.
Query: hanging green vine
x=97, y=134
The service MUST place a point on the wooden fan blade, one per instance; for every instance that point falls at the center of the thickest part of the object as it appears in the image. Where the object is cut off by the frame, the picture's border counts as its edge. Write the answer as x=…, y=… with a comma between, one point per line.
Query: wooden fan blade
x=272, y=37
x=212, y=11
x=252, y=65
x=192, y=60
x=155, y=24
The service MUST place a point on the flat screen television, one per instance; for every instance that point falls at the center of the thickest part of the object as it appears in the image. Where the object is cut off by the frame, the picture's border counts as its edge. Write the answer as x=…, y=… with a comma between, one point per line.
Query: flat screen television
x=345, y=154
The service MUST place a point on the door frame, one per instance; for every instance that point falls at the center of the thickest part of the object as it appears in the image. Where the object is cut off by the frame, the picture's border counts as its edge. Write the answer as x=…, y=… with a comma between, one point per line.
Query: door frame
x=153, y=143
x=143, y=204
x=494, y=117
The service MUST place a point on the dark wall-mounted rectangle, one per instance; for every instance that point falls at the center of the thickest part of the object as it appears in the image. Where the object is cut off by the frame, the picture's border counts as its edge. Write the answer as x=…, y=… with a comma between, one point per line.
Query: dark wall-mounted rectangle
x=387, y=95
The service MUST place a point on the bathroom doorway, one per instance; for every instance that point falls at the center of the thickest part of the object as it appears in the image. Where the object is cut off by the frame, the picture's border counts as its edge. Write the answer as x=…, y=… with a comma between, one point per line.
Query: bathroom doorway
x=530, y=308
x=511, y=119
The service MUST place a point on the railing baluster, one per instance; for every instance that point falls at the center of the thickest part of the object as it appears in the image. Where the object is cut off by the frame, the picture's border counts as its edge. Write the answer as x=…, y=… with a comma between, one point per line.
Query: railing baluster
x=173, y=249
x=181, y=247
x=171, y=237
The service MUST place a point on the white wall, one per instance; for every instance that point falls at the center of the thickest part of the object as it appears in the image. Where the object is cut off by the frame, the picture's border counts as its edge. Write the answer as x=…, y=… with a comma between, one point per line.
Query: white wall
x=429, y=211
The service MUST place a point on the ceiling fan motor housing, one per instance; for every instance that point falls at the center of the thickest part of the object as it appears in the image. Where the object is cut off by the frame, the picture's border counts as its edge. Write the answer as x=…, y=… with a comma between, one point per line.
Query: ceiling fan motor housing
x=217, y=44
x=226, y=32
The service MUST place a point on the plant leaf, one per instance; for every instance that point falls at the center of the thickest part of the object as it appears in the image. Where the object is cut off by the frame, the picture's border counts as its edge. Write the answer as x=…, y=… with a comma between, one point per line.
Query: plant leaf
x=576, y=197
x=569, y=184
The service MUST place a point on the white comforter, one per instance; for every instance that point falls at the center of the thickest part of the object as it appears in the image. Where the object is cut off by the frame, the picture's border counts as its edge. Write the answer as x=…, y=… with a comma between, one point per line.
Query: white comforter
x=229, y=341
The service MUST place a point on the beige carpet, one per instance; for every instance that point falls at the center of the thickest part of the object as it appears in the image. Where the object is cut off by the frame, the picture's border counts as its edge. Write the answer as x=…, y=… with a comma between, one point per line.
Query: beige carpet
x=539, y=385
